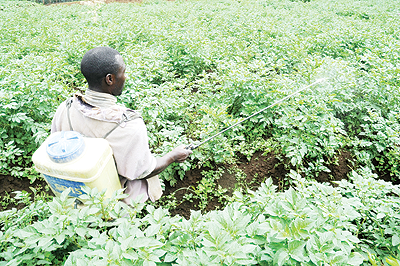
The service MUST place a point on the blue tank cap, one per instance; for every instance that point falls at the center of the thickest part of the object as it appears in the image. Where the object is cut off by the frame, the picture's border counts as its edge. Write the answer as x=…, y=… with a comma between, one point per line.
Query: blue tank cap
x=65, y=146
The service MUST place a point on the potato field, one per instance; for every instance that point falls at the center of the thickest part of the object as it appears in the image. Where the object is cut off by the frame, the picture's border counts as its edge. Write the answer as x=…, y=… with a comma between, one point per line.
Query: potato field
x=313, y=180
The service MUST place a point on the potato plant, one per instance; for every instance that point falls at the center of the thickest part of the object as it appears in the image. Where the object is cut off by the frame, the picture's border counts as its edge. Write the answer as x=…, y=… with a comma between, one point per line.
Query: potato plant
x=355, y=223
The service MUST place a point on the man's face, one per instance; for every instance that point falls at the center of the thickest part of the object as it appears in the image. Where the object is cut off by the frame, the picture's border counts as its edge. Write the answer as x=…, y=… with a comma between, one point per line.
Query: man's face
x=119, y=78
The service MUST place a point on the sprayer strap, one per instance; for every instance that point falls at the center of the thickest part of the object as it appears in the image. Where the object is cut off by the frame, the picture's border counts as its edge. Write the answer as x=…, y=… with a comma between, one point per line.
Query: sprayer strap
x=117, y=125
x=126, y=118
x=69, y=103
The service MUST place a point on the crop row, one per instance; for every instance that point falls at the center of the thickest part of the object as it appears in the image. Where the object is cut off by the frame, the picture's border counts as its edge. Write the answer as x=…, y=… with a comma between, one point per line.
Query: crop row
x=197, y=67
x=355, y=223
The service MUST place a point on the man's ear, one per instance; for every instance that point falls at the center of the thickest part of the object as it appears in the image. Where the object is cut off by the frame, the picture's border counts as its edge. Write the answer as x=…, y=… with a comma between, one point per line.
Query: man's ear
x=109, y=79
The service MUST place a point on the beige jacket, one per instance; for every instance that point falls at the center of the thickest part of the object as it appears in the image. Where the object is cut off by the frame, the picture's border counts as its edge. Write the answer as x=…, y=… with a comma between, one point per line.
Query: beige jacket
x=94, y=115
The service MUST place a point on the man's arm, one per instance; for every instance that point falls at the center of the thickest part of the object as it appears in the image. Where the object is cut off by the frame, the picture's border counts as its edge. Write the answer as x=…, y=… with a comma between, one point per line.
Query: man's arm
x=178, y=155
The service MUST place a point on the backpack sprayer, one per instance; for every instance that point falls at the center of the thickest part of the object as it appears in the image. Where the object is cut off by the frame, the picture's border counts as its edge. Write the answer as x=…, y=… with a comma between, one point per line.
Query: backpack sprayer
x=192, y=146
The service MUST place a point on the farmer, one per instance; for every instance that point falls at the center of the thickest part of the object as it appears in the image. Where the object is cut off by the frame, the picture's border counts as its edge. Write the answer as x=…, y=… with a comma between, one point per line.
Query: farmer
x=96, y=114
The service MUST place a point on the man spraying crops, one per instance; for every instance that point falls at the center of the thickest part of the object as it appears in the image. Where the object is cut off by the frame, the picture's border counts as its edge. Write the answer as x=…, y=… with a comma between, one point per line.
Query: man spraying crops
x=96, y=114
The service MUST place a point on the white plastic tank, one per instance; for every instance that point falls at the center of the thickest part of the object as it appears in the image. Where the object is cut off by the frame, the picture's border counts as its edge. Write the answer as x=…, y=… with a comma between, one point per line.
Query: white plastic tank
x=68, y=160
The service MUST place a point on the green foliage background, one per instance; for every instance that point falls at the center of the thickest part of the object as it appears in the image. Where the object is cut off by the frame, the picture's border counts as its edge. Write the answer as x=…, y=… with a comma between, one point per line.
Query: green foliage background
x=195, y=67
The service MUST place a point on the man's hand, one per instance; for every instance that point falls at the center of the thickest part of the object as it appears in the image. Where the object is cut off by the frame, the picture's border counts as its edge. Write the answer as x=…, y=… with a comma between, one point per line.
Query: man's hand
x=177, y=155
x=180, y=154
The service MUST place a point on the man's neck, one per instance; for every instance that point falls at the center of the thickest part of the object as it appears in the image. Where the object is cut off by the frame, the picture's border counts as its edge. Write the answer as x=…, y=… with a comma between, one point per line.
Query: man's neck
x=99, y=99
x=98, y=89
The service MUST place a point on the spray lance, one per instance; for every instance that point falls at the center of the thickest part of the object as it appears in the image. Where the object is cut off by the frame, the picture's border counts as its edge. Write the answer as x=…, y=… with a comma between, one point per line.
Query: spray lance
x=192, y=146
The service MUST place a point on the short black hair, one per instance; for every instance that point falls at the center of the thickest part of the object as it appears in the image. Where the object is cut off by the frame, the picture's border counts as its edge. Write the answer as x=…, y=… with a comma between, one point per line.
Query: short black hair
x=98, y=62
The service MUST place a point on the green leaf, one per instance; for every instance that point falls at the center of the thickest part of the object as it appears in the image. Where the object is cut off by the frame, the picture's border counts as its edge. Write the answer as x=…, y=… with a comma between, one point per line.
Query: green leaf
x=149, y=263
x=93, y=210
x=392, y=261
x=355, y=259
x=296, y=250
x=152, y=230
x=42, y=262
x=130, y=255
x=281, y=256
x=380, y=215
x=291, y=196
x=170, y=257
x=395, y=240
x=60, y=238
x=145, y=242
x=44, y=241
x=81, y=231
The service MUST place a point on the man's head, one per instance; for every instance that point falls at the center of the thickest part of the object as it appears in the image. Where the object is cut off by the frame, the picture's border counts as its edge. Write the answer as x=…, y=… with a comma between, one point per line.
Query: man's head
x=104, y=70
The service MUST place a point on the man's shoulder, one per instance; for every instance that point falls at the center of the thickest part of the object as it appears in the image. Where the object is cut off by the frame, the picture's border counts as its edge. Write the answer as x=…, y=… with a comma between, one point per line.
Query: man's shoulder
x=63, y=106
x=115, y=113
x=131, y=114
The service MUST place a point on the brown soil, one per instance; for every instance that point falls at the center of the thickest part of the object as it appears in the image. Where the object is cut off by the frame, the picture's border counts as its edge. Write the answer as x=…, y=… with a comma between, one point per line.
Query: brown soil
x=10, y=184
x=257, y=170
x=251, y=174
x=339, y=170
